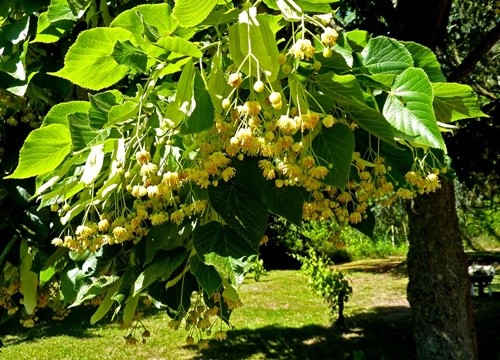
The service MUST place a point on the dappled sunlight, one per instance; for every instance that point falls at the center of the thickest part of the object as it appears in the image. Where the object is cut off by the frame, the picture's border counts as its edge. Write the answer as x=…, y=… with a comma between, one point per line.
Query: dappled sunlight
x=385, y=332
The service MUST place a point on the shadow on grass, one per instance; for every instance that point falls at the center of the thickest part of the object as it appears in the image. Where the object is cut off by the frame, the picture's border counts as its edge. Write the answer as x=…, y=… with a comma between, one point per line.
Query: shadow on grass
x=396, y=266
x=487, y=321
x=384, y=333
x=76, y=324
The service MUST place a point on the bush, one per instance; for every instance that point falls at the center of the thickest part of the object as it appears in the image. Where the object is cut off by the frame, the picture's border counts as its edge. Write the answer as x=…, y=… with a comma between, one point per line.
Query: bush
x=327, y=282
x=338, y=243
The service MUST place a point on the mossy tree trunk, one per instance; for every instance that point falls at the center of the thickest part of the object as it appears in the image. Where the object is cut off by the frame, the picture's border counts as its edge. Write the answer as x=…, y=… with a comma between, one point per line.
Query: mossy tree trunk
x=438, y=288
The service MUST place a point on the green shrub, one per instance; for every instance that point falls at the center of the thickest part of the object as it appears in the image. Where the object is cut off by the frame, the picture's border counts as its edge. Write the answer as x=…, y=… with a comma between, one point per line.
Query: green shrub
x=327, y=282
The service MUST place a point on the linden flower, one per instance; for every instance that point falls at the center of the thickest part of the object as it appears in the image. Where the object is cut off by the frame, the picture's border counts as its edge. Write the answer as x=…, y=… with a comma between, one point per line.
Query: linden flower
x=57, y=242
x=220, y=335
x=308, y=162
x=177, y=216
x=432, y=183
x=103, y=225
x=235, y=79
x=404, y=193
x=329, y=37
x=318, y=172
x=251, y=108
x=302, y=49
x=228, y=173
x=355, y=218
x=120, y=233
x=158, y=218
x=11, y=121
x=171, y=179
x=203, y=345
x=345, y=197
x=142, y=157
x=153, y=191
x=412, y=177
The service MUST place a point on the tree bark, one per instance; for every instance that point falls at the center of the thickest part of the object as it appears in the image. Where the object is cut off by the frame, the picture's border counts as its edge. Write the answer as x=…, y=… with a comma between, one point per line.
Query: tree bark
x=438, y=288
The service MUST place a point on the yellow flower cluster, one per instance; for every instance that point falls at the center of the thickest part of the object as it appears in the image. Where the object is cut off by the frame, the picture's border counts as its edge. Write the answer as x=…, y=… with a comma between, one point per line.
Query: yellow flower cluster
x=202, y=319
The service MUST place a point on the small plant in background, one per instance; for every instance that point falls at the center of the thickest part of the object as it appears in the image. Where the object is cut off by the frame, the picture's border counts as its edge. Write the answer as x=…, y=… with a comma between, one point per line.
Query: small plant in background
x=329, y=283
x=257, y=269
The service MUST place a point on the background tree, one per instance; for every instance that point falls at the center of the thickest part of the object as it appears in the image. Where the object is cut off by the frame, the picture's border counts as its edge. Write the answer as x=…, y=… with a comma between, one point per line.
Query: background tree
x=426, y=22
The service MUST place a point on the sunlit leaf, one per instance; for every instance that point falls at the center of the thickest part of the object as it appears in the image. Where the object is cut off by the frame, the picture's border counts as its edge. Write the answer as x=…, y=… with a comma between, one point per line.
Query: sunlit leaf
x=43, y=150
x=409, y=108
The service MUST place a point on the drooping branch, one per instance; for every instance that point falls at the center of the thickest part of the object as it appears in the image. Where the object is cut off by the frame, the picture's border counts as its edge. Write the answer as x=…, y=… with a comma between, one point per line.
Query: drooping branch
x=470, y=62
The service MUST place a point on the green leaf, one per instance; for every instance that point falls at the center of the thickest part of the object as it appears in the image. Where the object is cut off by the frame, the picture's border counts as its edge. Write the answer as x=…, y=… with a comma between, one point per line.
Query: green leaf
x=343, y=48
x=409, y=108
x=334, y=148
x=224, y=266
x=101, y=105
x=358, y=39
x=190, y=13
x=202, y=117
x=182, y=106
x=16, y=31
x=14, y=66
x=130, y=308
x=50, y=32
x=180, y=46
x=383, y=55
x=454, y=102
x=218, y=87
x=122, y=112
x=60, y=10
x=70, y=280
x=221, y=16
x=316, y=6
x=134, y=20
x=89, y=291
x=43, y=150
x=291, y=11
x=59, y=113
x=297, y=92
x=79, y=7
x=252, y=34
x=425, y=59
x=367, y=226
x=287, y=202
x=240, y=209
x=346, y=92
x=126, y=53
x=29, y=280
x=222, y=240
x=106, y=303
x=178, y=297
x=81, y=132
x=162, y=267
x=89, y=62
x=167, y=236
x=207, y=275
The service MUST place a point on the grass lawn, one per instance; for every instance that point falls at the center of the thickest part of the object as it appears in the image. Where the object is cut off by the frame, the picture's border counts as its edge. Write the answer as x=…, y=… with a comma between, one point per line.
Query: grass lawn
x=280, y=319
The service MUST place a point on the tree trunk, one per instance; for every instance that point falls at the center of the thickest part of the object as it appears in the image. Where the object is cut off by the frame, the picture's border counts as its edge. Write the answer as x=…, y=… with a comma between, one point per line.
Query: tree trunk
x=438, y=288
